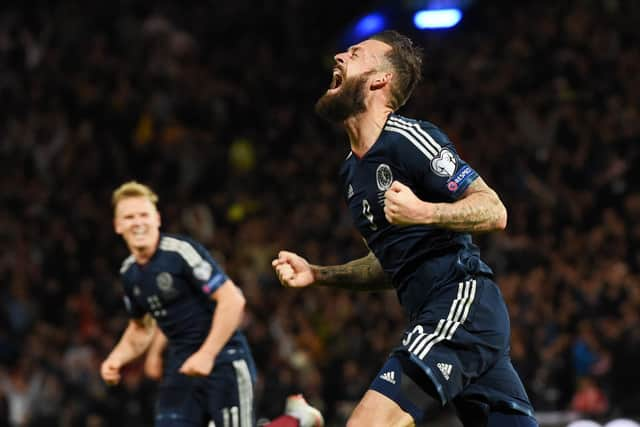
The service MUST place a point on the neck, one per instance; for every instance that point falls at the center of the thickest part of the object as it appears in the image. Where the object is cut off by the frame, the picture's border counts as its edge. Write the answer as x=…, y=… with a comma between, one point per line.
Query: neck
x=364, y=129
x=143, y=254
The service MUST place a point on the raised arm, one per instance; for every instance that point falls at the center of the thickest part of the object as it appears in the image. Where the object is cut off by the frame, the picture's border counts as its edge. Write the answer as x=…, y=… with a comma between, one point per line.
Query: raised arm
x=479, y=209
x=362, y=274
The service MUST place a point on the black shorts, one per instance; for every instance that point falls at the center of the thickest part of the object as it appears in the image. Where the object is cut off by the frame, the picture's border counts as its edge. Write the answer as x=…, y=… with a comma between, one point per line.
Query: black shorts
x=224, y=397
x=460, y=343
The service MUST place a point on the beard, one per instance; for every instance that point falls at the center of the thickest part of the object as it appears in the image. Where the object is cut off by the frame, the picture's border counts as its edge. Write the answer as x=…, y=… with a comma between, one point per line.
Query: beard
x=347, y=102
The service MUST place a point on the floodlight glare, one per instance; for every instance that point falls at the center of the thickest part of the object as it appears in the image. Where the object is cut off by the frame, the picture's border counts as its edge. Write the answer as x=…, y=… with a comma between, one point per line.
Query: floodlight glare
x=369, y=25
x=441, y=18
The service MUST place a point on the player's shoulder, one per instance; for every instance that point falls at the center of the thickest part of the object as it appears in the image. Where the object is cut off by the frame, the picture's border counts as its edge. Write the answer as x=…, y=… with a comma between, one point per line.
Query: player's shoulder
x=169, y=239
x=404, y=122
x=186, y=248
x=416, y=134
x=348, y=163
x=127, y=264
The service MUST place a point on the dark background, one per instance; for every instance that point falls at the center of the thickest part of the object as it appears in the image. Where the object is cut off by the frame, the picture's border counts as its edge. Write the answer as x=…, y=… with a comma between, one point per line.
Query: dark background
x=211, y=103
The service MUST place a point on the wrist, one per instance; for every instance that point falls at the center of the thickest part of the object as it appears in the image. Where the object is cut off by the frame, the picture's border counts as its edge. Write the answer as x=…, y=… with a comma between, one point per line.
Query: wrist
x=115, y=360
x=318, y=273
x=428, y=212
x=209, y=352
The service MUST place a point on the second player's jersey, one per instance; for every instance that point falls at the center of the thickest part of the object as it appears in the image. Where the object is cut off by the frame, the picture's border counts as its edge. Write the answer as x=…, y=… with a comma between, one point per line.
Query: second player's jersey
x=420, y=156
x=175, y=287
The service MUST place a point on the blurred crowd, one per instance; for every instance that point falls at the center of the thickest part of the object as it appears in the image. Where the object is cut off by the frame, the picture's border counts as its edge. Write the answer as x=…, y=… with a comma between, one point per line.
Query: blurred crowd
x=212, y=105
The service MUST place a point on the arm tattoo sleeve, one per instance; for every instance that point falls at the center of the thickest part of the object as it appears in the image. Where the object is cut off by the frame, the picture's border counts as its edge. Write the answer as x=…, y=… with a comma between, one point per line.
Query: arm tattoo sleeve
x=481, y=210
x=362, y=274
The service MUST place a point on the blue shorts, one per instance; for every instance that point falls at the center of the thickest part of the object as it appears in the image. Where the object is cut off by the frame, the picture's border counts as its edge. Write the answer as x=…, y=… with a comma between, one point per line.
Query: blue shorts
x=459, y=343
x=224, y=397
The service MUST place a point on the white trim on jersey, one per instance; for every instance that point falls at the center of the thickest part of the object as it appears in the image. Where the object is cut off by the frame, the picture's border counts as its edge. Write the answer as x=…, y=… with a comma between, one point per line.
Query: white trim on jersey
x=411, y=139
x=422, y=135
x=458, y=313
x=182, y=247
x=127, y=263
x=245, y=392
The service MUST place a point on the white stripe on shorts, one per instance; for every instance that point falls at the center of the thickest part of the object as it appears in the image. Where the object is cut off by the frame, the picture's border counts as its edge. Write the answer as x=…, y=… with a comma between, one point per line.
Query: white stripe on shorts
x=459, y=317
x=245, y=392
x=445, y=329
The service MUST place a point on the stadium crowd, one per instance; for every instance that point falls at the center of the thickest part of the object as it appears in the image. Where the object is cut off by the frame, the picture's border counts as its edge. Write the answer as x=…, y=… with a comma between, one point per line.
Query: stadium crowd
x=216, y=113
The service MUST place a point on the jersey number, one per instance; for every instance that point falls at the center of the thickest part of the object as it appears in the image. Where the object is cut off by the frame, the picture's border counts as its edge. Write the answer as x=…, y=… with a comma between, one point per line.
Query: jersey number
x=417, y=331
x=366, y=211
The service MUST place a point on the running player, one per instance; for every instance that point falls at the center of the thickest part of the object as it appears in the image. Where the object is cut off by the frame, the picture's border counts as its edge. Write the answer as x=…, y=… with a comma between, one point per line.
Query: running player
x=174, y=283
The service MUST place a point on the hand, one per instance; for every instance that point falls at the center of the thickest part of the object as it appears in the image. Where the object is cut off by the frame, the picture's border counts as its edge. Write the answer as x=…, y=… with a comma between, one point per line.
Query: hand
x=153, y=366
x=292, y=270
x=403, y=207
x=110, y=371
x=199, y=364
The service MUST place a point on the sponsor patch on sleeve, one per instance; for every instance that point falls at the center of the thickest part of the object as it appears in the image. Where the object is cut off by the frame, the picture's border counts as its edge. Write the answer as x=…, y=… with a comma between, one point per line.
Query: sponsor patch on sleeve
x=444, y=164
x=461, y=179
x=214, y=283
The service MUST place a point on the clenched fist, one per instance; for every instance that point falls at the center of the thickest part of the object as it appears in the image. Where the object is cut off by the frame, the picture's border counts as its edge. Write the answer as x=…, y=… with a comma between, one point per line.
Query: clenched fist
x=403, y=207
x=292, y=270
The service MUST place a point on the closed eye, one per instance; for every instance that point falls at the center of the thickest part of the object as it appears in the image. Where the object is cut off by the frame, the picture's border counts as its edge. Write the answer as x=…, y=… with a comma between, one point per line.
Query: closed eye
x=354, y=51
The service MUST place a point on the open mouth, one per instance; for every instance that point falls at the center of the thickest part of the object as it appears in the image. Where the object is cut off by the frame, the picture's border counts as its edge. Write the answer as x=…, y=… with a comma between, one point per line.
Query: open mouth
x=336, y=80
x=139, y=231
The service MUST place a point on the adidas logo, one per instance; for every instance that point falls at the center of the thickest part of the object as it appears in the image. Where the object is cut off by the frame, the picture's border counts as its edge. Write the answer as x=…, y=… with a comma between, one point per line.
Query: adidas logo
x=445, y=368
x=350, y=192
x=389, y=377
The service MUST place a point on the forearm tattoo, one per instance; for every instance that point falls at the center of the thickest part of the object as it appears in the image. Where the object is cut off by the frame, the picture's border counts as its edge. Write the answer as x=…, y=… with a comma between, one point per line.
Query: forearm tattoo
x=362, y=274
x=480, y=211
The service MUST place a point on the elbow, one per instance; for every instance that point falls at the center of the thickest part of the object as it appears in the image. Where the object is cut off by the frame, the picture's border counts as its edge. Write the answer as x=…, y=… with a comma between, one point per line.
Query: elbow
x=241, y=301
x=501, y=223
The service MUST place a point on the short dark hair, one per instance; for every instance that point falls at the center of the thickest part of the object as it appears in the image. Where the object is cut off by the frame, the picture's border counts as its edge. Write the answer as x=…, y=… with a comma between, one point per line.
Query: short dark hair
x=406, y=60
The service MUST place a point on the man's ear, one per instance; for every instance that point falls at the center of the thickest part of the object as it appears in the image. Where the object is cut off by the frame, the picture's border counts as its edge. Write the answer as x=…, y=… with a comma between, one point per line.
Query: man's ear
x=381, y=80
x=116, y=227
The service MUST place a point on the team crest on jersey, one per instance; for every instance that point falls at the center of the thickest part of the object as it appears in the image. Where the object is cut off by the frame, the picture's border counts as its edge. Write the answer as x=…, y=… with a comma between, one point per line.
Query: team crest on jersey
x=384, y=177
x=165, y=284
x=136, y=290
x=444, y=164
x=202, y=271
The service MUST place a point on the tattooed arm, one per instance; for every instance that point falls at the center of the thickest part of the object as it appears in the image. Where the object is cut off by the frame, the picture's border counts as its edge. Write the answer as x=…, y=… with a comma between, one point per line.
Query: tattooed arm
x=362, y=274
x=479, y=209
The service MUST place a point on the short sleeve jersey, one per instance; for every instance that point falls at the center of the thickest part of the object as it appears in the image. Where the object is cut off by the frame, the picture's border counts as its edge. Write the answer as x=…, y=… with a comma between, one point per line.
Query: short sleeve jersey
x=175, y=287
x=420, y=156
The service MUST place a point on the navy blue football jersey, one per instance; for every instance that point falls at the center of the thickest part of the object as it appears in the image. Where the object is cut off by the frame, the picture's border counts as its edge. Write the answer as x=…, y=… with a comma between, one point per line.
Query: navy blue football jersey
x=420, y=156
x=175, y=287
